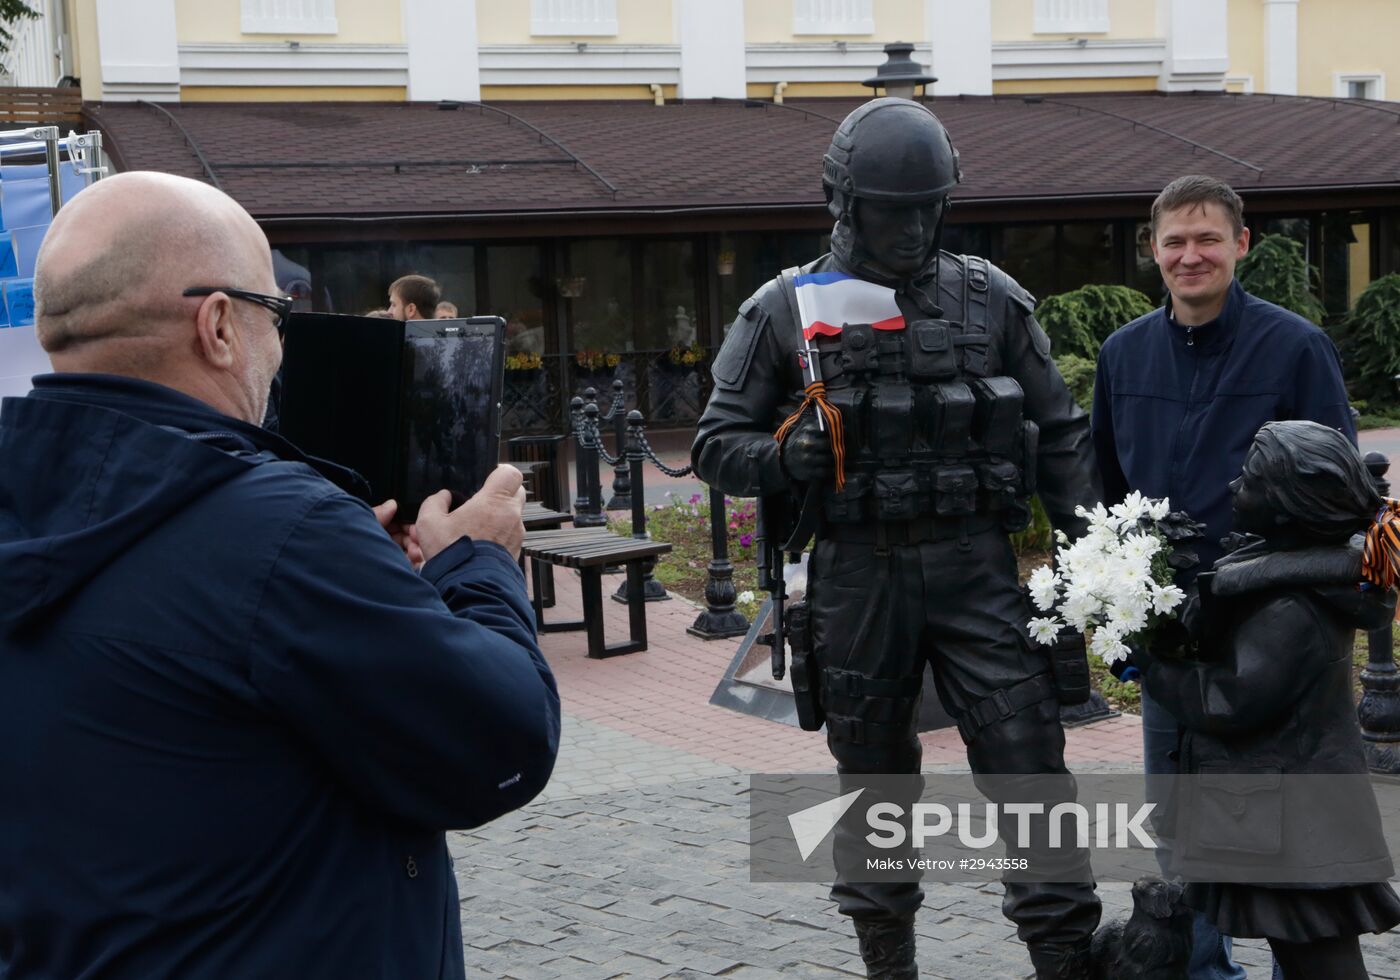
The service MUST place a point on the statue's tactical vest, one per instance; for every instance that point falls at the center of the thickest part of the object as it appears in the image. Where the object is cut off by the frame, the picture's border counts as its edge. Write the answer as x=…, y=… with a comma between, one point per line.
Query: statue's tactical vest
x=928, y=432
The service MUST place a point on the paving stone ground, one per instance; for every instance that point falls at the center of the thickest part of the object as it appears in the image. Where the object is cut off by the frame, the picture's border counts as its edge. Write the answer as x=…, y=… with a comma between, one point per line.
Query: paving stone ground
x=633, y=862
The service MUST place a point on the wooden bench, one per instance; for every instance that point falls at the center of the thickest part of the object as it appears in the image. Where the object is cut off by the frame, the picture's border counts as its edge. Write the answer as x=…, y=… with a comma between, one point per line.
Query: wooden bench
x=589, y=550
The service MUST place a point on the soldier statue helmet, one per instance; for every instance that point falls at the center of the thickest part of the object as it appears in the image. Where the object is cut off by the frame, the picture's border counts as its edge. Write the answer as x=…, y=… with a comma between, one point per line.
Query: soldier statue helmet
x=895, y=155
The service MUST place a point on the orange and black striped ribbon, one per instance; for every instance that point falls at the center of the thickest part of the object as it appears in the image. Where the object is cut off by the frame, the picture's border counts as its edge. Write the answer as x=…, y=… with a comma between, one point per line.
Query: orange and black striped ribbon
x=1380, y=559
x=816, y=399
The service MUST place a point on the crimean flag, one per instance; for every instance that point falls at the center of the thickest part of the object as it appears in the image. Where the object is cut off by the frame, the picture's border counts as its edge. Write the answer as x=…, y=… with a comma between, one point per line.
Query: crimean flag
x=830, y=299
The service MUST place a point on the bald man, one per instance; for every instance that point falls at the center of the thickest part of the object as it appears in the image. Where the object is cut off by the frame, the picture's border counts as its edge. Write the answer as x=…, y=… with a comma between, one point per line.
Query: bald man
x=236, y=720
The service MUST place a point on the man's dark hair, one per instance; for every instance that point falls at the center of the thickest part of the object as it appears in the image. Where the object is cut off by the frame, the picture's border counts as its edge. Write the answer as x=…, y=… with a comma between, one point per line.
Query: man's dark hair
x=1198, y=189
x=1313, y=476
x=421, y=291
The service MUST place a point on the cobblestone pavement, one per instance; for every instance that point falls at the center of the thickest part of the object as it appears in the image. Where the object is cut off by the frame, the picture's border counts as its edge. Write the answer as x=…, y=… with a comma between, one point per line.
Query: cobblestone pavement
x=633, y=862
x=652, y=881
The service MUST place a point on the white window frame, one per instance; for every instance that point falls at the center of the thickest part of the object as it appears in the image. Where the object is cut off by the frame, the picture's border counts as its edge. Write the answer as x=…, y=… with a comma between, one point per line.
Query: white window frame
x=844, y=17
x=1342, y=83
x=573, y=18
x=301, y=17
x=1071, y=16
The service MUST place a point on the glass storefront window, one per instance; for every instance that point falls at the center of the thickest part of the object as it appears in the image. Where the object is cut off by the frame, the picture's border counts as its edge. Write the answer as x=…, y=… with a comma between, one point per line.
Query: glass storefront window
x=1086, y=255
x=1388, y=231
x=668, y=315
x=1143, y=273
x=1027, y=254
x=291, y=267
x=450, y=266
x=967, y=240
x=515, y=292
x=746, y=260
x=596, y=290
x=1346, y=259
x=350, y=279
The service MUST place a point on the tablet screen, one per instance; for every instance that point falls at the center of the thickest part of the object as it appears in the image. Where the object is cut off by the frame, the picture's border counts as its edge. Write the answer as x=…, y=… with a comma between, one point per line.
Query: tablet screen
x=451, y=407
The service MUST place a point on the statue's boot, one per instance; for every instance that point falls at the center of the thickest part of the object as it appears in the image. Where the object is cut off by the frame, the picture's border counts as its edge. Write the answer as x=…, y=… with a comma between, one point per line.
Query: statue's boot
x=1061, y=961
x=887, y=946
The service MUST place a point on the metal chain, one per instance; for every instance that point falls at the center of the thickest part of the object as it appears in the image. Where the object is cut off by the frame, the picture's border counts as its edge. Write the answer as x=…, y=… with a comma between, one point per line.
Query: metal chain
x=651, y=455
x=590, y=438
x=618, y=400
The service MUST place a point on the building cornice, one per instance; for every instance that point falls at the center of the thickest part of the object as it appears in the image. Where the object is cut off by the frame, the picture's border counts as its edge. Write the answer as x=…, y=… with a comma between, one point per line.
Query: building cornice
x=267, y=64
x=1136, y=58
x=286, y=64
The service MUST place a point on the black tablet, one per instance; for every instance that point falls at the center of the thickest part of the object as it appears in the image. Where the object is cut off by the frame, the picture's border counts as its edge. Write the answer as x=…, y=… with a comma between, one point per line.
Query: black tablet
x=450, y=429
x=413, y=407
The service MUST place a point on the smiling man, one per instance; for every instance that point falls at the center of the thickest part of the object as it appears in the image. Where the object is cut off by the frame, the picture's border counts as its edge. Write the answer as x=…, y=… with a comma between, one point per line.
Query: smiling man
x=1180, y=394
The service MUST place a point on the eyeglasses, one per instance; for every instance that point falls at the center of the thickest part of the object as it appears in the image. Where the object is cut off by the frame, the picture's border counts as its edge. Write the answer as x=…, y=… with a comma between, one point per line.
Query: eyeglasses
x=281, y=305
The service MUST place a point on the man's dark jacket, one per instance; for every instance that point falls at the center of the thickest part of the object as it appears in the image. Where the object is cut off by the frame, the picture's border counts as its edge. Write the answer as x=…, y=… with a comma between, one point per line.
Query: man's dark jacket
x=1176, y=408
x=235, y=721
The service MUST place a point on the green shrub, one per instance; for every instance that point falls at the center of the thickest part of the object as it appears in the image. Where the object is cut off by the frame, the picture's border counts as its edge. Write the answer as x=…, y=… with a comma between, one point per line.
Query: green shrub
x=1036, y=538
x=1276, y=270
x=1080, y=320
x=1369, y=339
x=1078, y=373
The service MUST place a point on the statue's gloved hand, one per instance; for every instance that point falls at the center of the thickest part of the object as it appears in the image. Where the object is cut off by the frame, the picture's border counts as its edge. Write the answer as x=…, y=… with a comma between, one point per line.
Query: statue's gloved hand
x=805, y=454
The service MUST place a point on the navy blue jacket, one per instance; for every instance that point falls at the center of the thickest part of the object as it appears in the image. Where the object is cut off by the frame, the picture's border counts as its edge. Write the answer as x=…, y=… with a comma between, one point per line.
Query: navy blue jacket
x=235, y=721
x=1176, y=408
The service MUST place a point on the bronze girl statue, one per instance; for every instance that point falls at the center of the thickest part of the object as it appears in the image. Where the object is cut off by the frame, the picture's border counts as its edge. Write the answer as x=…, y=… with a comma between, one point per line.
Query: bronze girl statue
x=1265, y=708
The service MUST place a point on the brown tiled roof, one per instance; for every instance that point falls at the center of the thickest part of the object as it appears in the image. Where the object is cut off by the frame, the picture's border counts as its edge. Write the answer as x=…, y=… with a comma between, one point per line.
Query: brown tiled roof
x=339, y=159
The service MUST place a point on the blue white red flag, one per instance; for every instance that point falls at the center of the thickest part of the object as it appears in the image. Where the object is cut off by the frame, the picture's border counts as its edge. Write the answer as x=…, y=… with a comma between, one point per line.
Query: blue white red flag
x=828, y=300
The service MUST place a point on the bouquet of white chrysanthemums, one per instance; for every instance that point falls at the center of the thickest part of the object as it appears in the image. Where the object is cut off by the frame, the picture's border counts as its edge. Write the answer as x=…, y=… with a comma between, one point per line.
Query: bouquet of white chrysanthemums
x=1115, y=583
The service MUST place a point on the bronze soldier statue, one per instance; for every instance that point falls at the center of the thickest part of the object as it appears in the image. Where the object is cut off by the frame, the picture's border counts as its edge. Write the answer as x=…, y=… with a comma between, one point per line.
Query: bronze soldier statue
x=916, y=409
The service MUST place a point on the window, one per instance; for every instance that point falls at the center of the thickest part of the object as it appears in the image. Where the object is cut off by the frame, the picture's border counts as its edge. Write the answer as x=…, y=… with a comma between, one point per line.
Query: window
x=1359, y=86
x=515, y=290
x=597, y=290
x=746, y=260
x=668, y=302
x=289, y=17
x=452, y=267
x=573, y=17
x=832, y=17
x=1071, y=16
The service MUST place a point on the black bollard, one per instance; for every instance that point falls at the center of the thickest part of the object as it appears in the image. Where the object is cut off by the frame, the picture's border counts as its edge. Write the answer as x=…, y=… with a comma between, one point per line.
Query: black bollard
x=622, y=476
x=580, y=474
x=1379, y=710
x=652, y=590
x=720, y=620
x=590, y=486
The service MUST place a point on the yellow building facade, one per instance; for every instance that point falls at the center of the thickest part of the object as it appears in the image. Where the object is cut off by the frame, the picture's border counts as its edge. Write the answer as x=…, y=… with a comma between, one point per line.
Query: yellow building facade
x=247, y=50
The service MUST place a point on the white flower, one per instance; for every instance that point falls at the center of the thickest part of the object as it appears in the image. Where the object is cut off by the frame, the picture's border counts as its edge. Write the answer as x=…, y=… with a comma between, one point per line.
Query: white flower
x=1142, y=547
x=1080, y=607
x=1159, y=509
x=1043, y=585
x=1127, y=618
x=1061, y=538
x=1165, y=598
x=1045, y=629
x=1109, y=646
x=1127, y=512
x=746, y=596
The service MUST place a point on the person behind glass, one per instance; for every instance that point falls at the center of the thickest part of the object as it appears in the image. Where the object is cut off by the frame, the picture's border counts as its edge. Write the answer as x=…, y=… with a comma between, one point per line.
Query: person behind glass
x=1178, y=396
x=413, y=298
x=1268, y=692
x=445, y=311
